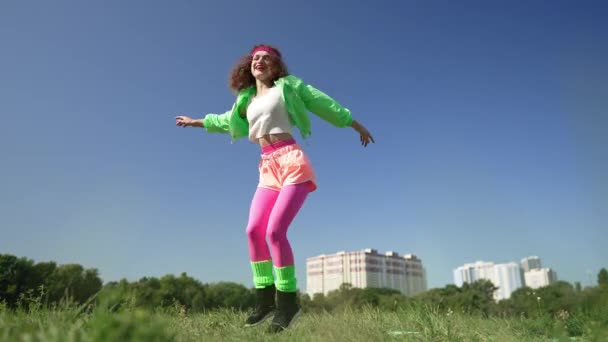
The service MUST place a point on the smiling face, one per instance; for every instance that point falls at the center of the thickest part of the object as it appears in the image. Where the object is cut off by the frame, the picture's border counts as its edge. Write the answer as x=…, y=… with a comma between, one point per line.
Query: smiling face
x=262, y=65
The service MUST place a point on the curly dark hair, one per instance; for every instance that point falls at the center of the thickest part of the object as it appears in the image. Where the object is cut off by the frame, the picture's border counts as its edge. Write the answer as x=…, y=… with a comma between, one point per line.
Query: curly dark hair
x=241, y=76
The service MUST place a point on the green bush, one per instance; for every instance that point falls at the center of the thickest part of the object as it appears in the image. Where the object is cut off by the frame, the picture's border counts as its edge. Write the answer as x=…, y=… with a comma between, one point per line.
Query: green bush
x=138, y=325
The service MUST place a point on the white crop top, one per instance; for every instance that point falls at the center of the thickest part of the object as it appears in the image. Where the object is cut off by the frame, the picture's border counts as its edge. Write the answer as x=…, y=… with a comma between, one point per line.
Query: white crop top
x=267, y=114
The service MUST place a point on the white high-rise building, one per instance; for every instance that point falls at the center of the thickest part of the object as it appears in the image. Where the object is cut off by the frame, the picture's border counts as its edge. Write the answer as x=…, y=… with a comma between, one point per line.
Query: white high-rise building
x=365, y=268
x=540, y=277
x=530, y=263
x=507, y=277
x=527, y=264
x=469, y=273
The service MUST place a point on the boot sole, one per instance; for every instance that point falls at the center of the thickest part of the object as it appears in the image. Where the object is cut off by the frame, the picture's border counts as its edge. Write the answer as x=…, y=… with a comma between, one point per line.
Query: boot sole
x=295, y=317
x=268, y=315
x=291, y=323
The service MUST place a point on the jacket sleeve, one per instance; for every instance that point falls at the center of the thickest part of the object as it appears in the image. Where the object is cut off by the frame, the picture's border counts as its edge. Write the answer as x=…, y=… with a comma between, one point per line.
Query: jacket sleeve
x=217, y=123
x=324, y=106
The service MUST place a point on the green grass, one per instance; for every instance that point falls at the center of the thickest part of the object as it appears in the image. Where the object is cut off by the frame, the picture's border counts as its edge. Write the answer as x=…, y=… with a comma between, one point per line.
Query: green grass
x=412, y=324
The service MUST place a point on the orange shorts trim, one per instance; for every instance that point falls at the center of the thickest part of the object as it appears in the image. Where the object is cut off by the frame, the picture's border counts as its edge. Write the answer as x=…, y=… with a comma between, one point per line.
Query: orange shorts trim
x=284, y=166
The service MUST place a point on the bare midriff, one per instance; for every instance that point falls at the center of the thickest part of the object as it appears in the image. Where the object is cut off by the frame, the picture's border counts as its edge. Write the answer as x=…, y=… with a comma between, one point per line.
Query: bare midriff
x=273, y=138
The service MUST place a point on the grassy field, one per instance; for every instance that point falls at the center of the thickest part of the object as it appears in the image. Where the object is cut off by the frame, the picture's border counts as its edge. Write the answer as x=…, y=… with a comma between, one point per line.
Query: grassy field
x=413, y=324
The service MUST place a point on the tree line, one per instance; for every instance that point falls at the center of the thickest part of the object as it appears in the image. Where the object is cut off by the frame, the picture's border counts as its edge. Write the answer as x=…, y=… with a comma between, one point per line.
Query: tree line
x=22, y=280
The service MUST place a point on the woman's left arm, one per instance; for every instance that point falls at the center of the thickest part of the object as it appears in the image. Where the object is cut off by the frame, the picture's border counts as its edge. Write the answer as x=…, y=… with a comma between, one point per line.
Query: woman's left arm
x=331, y=111
x=364, y=135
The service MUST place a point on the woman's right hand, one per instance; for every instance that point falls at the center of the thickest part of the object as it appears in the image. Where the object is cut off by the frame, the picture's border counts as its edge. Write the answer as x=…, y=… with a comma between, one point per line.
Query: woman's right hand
x=185, y=121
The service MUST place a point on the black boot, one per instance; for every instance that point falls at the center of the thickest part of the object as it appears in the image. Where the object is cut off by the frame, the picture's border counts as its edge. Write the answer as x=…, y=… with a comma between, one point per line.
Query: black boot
x=287, y=311
x=264, y=306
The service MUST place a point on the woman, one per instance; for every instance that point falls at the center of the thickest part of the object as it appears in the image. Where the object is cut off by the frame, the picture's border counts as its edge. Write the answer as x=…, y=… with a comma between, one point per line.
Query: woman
x=269, y=103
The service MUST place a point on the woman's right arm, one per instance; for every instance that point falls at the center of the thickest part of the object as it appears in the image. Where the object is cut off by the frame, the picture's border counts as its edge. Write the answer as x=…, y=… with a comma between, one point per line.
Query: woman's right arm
x=213, y=123
x=185, y=121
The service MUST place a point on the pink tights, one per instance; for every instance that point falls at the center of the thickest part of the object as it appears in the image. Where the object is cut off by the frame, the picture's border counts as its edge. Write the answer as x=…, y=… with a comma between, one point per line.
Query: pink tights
x=270, y=215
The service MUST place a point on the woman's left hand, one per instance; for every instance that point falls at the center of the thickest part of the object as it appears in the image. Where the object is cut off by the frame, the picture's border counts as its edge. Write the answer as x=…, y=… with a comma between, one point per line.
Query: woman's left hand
x=365, y=135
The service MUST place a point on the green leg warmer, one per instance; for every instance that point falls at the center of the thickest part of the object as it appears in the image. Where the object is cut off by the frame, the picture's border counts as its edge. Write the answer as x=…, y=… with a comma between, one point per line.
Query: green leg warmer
x=286, y=278
x=262, y=273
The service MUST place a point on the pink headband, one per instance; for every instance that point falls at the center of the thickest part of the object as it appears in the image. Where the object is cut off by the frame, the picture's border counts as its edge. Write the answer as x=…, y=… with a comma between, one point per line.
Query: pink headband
x=267, y=49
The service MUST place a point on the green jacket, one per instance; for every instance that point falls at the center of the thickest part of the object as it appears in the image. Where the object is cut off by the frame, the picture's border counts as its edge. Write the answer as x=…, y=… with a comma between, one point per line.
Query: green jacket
x=300, y=98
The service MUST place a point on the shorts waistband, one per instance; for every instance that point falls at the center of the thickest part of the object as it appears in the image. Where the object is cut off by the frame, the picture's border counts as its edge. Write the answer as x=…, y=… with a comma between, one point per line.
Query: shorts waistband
x=275, y=146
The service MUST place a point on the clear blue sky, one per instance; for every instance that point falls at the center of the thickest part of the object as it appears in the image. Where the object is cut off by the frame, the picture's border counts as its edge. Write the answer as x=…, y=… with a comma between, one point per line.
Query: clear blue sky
x=490, y=122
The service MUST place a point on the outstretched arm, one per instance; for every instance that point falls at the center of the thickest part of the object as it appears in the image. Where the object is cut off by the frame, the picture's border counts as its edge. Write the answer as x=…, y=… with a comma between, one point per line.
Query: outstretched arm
x=331, y=111
x=364, y=135
x=185, y=121
x=213, y=123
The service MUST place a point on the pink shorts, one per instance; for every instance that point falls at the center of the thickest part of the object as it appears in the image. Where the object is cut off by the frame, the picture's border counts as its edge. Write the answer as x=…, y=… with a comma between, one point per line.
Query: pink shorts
x=283, y=164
